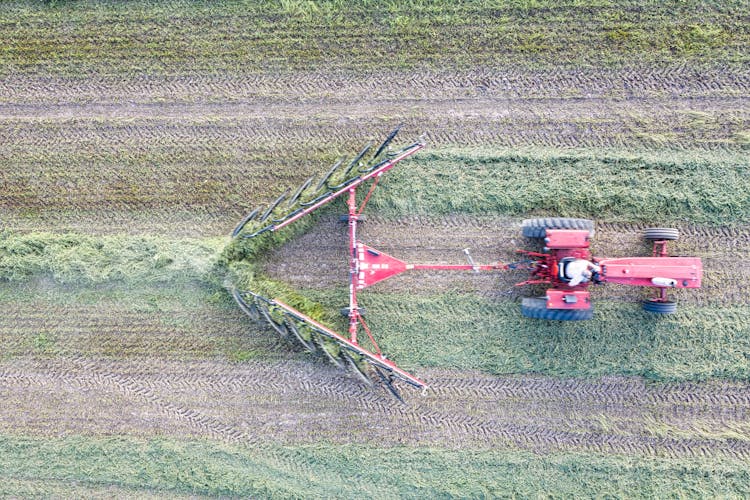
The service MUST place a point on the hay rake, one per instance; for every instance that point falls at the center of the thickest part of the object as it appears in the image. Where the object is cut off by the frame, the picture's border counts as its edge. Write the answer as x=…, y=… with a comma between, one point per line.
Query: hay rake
x=565, y=241
x=341, y=179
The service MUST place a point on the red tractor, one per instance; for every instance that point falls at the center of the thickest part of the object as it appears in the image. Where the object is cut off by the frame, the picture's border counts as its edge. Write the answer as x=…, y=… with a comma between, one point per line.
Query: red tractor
x=567, y=265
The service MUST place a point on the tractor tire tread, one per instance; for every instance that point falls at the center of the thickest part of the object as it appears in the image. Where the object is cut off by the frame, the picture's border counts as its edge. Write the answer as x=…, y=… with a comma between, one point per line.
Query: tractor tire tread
x=537, y=228
x=536, y=308
x=657, y=307
x=661, y=233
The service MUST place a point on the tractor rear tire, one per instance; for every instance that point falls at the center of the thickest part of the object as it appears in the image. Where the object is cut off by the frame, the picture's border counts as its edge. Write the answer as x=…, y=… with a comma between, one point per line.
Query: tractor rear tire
x=537, y=308
x=657, y=307
x=537, y=228
x=661, y=233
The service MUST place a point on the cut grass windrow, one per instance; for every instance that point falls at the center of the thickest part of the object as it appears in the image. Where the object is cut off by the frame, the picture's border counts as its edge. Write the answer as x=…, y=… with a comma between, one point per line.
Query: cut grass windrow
x=87, y=260
x=616, y=187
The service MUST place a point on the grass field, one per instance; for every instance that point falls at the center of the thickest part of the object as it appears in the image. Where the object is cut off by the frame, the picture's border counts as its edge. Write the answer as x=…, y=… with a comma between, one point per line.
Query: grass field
x=364, y=35
x=134, y=136
x=133, y=467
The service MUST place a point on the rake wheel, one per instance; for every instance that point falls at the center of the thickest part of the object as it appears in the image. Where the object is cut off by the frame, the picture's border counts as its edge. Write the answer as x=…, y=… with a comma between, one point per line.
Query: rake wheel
x=333, y=359
x=388, y=382
x=280, y=327
x=250, y=309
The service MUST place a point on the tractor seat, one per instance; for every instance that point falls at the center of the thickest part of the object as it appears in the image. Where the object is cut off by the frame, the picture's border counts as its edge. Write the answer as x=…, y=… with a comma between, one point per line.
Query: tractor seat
x=563, y=269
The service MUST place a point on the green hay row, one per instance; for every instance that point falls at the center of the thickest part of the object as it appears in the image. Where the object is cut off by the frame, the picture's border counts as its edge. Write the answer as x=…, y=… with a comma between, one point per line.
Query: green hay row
x=610, y=186
x=88, y=260
x=161, y=37
x=136, y=467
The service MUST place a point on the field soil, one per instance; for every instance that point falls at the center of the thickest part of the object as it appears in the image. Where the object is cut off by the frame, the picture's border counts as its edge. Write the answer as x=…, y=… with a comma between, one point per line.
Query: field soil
x=175, y=153
x=297, y=402
x=303, y=401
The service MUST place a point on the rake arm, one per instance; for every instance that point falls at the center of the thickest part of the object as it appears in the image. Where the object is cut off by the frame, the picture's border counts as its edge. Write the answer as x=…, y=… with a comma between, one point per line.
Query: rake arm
x=306, y=207
x=267, y=308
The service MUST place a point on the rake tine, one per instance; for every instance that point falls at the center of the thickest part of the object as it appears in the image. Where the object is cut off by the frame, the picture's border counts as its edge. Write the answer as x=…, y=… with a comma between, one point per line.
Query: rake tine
x=258, y=232
x=369, y=169
x=288, y=216
x=279, y=327
x=324, y=180
x=273, y=205
x=244, y=221
x=330, y=356
x=387, y=141
x=356, y=368
x=389, y=384
x=310, y=346
x=343, y=184
x=316, y=200
x=299, y=192
x=357, y=159
x=249, y=309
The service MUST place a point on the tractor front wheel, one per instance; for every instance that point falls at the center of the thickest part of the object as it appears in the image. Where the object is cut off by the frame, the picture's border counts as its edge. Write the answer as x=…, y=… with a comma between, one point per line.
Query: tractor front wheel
x=537, y=228
x=661, y=233
x=660, y=307
x=537, y=308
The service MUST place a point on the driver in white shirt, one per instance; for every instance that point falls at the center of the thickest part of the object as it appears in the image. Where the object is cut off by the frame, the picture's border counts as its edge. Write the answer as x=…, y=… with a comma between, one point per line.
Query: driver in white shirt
x=579, y=271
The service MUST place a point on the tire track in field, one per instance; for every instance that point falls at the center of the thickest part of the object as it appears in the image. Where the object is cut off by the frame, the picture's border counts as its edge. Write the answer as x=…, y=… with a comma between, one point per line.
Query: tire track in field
x=710, y=123
x=536, y=413
x=441, y=240
x=97, y=377
x=107, y=328
x=506, y=82
x=90, y=374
